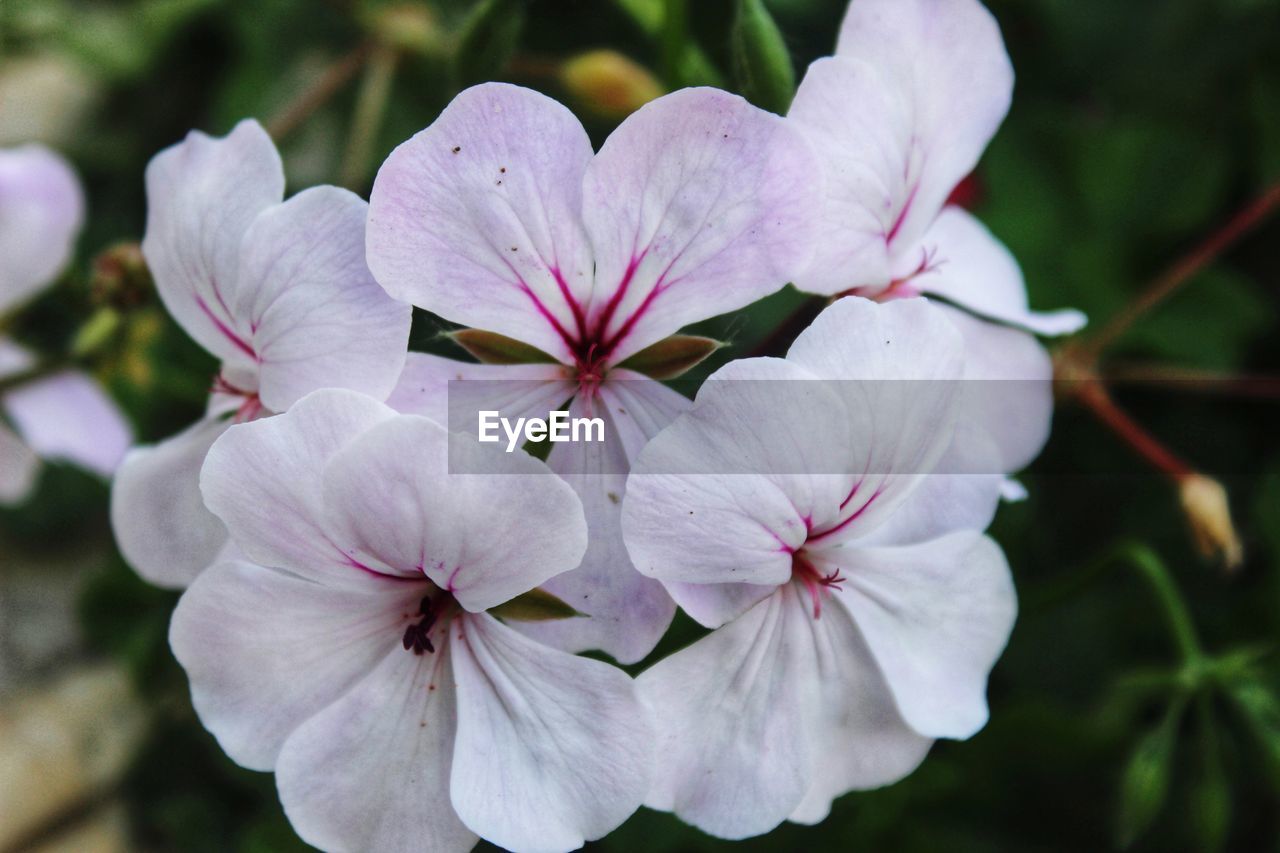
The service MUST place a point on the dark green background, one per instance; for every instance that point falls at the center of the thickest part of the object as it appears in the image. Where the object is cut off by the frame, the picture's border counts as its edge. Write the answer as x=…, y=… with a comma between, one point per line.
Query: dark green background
x=1138, y=127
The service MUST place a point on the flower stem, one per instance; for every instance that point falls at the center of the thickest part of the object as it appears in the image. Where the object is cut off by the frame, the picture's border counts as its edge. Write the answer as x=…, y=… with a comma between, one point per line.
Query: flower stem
x=675, y=25
x=321, y=90
x=371, y=106
x=1184, y=269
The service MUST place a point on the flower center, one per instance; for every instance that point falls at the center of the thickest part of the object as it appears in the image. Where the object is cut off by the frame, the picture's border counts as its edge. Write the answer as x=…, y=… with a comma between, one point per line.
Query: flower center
x=252, y=406
x=590, y=367
x=818, y=585
x=433, y=613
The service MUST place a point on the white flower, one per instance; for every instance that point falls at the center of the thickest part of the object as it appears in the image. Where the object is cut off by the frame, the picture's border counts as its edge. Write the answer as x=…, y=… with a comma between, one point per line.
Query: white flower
x=65, y=415
x=899, y=116
x=500, y=217
x=353, y=655
x=858, y=608
x=279, y=291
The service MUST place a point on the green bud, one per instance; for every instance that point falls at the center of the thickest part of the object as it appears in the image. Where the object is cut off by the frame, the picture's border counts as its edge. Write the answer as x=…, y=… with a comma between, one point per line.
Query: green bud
x=761, y=62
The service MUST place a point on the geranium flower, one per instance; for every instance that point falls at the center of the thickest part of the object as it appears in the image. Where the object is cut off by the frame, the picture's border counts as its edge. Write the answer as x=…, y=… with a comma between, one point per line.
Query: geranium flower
x=354, y=657
x=899, y=116
x=64, y=415
x=499, y=217
x=857, y=606
x=278, y=291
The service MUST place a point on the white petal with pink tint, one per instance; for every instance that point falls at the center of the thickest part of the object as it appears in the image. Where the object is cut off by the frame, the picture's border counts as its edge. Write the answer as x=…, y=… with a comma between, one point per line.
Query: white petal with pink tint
x=309, y=305
x=69, y=417
x=266, y=650
x=408, y=497
x=202, y=196
x=19, y=467
x=158, y=516
x=41, y=212
x=478, y=217
x=698, y=204
x=552, y=749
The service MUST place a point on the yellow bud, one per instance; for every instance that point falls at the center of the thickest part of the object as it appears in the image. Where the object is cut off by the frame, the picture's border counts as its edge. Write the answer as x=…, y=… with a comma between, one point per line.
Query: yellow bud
x=410, y=27
x=608, y=83
x=1204, y=501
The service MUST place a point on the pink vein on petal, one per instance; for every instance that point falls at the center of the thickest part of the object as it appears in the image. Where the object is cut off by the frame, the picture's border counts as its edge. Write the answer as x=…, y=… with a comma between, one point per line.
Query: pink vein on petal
x=226, y=330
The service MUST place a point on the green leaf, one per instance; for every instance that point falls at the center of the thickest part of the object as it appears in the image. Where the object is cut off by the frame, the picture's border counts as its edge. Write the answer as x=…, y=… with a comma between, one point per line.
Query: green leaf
x=1211, y=794
x=536, y=605
x=492, y=348
x=1260, y=709
x=1146, y=778
x=762, y=64
x=488, y=39
x=672, y=356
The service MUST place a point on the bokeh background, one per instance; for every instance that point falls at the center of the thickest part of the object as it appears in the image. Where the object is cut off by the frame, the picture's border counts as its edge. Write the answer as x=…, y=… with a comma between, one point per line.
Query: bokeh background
x=1138, y=129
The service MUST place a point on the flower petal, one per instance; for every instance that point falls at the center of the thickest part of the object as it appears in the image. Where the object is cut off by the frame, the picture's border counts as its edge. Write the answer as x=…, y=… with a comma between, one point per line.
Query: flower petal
x=393, y=503
x=202, y=197
x=68, y=417
x=266, y=650
x=452, y=393
x=936, y=617
x=900, y=115
x=626, y=613
x=974, y=270
x=730, y=713
x=896, y=365
x=698, y=204
x=727, y=493
x=19, y=467
x=316, y=317
x=264, y=480
x=371, y=771
x=158, y=516
x=552, y=749
x=478, y=217
x=41, y=212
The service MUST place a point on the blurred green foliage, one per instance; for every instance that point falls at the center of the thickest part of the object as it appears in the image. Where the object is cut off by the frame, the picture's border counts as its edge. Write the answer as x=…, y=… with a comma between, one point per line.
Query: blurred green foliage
x=1137, y=128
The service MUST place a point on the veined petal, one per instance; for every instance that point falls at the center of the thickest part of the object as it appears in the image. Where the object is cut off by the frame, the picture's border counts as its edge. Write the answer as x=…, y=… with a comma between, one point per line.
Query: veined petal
x=19, y=467
x=453, y=393
x=901, y=114
x=897, y=366
x=68, y=417
x=504, y=526
x=265, y=650
x=626, y=613
x=974, y=270
x=552, y=749
x=714, y=604
x=478, y=218
x=41, y=212
x=202, y=196
x=371, y=771
x=936, y=616
x=730, y=713
x=264, y=480
x=862, y=740
x=311, y=309
x=698, y=204
x=158, y=516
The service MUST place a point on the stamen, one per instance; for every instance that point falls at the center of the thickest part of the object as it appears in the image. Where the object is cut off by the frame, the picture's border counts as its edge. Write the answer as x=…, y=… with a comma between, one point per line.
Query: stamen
x=417, y=637
x=817, y=584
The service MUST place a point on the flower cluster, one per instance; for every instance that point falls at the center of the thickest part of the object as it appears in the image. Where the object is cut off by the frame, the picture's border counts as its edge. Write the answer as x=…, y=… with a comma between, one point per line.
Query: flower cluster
x=387, y=613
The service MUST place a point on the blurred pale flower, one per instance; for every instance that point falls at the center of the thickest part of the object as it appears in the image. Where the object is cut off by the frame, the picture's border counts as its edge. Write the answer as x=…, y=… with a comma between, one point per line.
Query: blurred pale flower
x=354, y=656
x=499, y=216
x=64, y=415
x=858, y=607
x=278, y=291
x=899, y=116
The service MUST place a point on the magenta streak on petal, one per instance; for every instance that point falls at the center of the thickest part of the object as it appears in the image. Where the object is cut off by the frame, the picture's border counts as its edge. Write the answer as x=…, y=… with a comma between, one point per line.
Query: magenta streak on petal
x=859, y=511
x=579, y=318
x=452, y=575
x=611, y=306
x=849, y=496
x=356, y=564
x=902, y=216
x=225, y=330
x=541, y=308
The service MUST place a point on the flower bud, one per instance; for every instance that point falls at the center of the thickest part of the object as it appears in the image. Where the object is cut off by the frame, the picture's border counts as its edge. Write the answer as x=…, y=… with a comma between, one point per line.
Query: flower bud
x=608, y=83
x=120, y=277
x=1204, y=502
